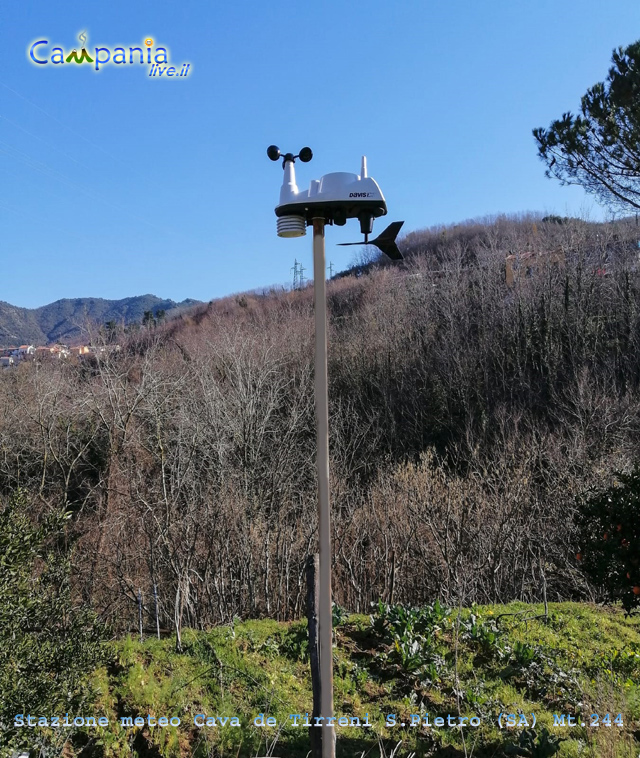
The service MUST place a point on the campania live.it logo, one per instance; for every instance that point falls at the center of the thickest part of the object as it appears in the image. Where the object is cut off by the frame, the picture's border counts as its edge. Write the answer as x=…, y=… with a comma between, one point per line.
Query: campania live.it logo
x=156, y=57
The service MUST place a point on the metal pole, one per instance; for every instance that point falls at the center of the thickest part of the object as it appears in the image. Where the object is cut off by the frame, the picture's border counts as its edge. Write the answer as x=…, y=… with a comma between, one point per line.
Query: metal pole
x=140, y=612
x=155, y=597
x=313, y=590
x=324, y=517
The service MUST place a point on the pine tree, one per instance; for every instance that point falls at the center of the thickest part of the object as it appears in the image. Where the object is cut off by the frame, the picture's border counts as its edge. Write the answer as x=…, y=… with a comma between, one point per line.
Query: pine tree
x=599, y=148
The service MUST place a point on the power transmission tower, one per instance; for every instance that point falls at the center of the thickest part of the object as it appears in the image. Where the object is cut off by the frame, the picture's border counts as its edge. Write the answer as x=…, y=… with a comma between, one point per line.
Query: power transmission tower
x=302, y=276
x=295, y=274
x=330, y=269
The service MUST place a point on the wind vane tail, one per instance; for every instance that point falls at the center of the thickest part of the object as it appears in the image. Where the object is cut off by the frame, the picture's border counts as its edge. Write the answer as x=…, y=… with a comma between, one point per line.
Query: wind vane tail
x=386, y=242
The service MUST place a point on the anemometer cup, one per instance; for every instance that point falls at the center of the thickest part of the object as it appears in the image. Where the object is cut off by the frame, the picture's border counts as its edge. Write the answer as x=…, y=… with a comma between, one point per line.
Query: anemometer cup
x=305, y=155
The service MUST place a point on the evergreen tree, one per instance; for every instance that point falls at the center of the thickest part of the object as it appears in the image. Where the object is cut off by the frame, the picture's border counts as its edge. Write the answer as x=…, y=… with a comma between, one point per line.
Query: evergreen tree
x=609, y=532
x=148, y=320
x=48, y=645
x=111, y=328
x=599, y=148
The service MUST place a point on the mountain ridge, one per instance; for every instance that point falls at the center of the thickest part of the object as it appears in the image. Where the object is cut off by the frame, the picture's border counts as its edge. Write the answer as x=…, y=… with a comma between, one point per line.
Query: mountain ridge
x=66, y=319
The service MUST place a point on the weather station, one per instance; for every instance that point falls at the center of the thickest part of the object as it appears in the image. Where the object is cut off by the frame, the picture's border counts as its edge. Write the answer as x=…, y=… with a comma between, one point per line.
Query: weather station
x=332, y=199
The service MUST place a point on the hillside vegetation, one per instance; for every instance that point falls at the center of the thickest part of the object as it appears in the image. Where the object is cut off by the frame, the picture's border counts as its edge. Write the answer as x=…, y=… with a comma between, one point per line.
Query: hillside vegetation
x=466, y=418
x=426, y=663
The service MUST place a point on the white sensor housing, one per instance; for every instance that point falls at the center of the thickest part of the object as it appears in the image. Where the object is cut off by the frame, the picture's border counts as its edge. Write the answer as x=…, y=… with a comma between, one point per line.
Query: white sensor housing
x=334, y=197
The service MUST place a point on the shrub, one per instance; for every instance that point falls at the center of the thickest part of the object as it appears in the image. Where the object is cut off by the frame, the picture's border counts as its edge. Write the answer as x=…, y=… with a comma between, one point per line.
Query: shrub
x=609, y=547
x=47, y=645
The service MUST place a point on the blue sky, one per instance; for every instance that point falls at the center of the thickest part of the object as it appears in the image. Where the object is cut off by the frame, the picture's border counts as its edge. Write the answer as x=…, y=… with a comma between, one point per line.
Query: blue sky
x=116, y=184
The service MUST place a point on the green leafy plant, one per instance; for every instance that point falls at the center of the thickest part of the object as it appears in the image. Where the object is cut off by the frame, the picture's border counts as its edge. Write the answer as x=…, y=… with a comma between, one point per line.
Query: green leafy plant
x=535, y=745
x=542, y=677
x=270, y=647
x=405, y=622
x=485, y=634
x=412, y=633
x=339, y=614
x=523, y=654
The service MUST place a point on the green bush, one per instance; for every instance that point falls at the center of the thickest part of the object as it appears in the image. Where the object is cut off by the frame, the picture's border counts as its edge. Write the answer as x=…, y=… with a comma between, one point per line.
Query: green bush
x=609, y=540
x=48, y=646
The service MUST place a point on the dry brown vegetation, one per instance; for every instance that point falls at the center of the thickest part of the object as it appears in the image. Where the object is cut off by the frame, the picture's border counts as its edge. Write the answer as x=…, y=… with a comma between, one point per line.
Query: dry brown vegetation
x=465, y=418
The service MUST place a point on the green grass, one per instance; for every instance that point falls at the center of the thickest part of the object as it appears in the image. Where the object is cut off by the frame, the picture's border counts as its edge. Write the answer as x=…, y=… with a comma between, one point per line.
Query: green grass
x=582, y=660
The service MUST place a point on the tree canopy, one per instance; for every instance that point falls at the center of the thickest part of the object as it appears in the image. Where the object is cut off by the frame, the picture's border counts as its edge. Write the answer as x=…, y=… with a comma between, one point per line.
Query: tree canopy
x=599, y=148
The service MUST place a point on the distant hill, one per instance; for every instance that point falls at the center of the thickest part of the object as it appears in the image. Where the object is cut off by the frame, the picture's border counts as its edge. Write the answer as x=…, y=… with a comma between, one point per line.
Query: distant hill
x=65, y=320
